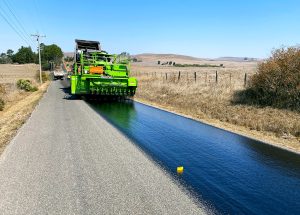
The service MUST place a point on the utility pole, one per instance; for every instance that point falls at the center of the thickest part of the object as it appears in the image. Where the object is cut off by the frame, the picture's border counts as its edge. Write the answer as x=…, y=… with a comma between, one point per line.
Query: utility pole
x=38, y=36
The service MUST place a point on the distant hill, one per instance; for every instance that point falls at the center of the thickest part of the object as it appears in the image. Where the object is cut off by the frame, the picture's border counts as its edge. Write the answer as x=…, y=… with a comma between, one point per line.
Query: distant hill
x=179, y=58
x=68, y=54
x=168, y=56
x=151, y=56
x=236, y=59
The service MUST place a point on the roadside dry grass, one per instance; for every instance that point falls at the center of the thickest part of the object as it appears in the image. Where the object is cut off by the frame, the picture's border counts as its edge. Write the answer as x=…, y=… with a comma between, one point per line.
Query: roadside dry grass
x=16, y=113
x=18, y=104
x=212, y=103
x=10, y=73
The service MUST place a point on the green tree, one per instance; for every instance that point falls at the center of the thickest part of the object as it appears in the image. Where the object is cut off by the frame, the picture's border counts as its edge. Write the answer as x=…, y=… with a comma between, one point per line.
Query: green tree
x=69, y=59
x=24, y=55
x=124, y=54
x=9, y=56
x=51, y=53
x=9, y=53
x=124, y=57
x=3, y=58
x=6, y=57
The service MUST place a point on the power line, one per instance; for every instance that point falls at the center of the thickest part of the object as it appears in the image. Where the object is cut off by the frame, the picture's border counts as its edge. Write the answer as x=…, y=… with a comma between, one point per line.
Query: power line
x=2, y=13
x=11, y=10
x=14, y=26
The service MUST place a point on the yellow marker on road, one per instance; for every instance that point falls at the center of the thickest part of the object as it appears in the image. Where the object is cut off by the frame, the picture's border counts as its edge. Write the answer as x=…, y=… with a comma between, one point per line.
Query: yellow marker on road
x=180, y=169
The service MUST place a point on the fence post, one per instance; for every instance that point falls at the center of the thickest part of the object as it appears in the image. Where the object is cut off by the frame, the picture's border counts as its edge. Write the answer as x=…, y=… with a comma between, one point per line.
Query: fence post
x=195, y=76
x=216, y=76
x=205, y=77
x=230, y=78
x=166, y=76
x=178, y=75
x=245, y=80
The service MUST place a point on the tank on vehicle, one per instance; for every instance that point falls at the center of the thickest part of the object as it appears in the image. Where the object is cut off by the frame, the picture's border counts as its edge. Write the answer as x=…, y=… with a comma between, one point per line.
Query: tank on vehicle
x=58, y=74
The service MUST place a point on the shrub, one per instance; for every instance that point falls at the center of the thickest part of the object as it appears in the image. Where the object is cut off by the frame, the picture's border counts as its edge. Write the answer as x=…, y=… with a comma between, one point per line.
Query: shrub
x=2, y=103
x=26, y=85
x=277, y=82
x=45, y=76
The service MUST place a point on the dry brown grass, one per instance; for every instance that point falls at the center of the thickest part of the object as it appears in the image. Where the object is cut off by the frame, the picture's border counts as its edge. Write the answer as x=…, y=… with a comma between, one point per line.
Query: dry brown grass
x=232, y=74
x=18, y=104
x=211, y=102
x=16, y=114
x=10, y=74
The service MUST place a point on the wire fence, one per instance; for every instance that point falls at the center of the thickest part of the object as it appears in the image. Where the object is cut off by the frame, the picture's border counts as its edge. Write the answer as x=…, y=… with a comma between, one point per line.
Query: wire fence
x=240, y=79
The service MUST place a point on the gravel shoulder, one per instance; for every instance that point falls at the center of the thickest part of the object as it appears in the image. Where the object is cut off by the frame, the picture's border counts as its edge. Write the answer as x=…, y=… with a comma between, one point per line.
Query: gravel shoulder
x=68, y=160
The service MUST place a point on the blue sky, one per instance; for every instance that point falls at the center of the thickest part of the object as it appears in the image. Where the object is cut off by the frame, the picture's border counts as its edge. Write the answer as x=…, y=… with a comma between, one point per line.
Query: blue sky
x=200, y=28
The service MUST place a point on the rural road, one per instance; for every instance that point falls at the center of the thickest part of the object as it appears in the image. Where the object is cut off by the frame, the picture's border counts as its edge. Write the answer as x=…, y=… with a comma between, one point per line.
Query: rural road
x=68, y=160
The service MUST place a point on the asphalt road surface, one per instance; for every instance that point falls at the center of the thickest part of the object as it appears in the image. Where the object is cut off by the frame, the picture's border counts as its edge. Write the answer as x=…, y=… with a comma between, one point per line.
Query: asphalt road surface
x=68, y=160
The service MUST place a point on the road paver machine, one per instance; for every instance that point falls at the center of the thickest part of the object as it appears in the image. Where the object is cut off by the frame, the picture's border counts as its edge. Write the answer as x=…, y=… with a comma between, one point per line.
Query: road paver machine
x=95, y=72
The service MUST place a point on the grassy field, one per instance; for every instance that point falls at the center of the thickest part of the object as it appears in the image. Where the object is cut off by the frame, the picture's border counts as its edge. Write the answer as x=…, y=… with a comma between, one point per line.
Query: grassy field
x=212, y=102
x=231, y=73
x=9, y=74
x=18, y=104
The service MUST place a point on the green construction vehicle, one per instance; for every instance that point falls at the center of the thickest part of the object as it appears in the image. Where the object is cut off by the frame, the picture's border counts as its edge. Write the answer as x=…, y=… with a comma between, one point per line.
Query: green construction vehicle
x=98, y=73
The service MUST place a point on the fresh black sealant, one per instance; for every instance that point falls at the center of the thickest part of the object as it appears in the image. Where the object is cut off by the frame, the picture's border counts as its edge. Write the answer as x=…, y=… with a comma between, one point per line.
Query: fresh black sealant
x=231, y=173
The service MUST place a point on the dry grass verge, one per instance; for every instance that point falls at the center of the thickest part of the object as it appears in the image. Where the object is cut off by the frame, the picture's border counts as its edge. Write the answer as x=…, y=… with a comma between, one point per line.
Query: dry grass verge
x=16, y=112
x=18, y=104
x=212, y=104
